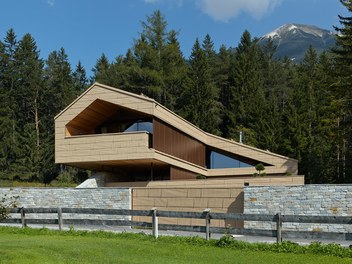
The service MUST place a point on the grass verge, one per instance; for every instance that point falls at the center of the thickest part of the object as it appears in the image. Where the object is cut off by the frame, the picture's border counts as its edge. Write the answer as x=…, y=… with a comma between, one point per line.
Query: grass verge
x=49, y=246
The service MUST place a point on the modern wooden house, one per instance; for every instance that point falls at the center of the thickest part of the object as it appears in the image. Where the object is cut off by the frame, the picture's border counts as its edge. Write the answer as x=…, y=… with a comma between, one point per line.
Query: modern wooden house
x=134, y=138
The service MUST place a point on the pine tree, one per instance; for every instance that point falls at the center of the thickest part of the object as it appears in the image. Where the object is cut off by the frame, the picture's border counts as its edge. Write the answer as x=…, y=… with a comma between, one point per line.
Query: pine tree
x=247, y=92
x=125, y=73
x=8, y=133
x=29, y=88
x=161, y=68
x=59, y=81
x=306, y=103
x=343, y=95
x=324, y=147
x=60, y=90
x=201, y=106
x=80, y=79
x=208, y=47
x=276, y=95
x=148, y=53
x=10, y=74
x=174, y=71
x=221, y=77
x=5, y=119
x=101, y=70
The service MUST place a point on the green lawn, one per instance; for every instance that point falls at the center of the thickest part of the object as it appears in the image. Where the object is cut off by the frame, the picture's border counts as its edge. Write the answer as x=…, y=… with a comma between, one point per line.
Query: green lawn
x=44, y=246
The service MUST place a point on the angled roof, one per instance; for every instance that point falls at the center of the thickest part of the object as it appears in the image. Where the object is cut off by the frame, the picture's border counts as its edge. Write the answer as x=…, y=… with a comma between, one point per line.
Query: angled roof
x=151, y=107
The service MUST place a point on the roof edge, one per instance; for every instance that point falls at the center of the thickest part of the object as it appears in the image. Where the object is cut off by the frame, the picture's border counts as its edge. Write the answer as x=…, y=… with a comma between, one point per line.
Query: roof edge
x=207, y=135
x=145, y=98
x=181, y=118
x=250, y=147
x=105, y=87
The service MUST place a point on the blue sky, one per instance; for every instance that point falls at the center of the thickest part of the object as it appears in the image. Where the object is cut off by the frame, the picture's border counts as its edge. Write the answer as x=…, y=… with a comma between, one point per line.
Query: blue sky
x=88, y=28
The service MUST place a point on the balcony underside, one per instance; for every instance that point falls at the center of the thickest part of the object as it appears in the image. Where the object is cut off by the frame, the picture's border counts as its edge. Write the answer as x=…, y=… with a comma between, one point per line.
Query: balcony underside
x=115, y=165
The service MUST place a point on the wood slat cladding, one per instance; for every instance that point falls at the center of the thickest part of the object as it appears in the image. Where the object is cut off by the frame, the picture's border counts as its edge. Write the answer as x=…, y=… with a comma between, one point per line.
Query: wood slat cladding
x=180, y=174
x=173, y=142
x=103, y=117
x=92, y=116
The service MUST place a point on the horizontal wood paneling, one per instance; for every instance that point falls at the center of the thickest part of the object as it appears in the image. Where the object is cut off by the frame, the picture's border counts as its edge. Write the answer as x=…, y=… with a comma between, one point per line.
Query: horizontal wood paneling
x=104, y=147
x=189, y=200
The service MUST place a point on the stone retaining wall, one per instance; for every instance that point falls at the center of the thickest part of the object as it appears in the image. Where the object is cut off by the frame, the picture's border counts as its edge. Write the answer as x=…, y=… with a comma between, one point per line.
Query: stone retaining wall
x=331, y=200
x=103, y=198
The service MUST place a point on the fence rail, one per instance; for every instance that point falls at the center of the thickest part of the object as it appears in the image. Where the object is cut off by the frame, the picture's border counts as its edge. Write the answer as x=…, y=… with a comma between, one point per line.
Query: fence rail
x=154, y=214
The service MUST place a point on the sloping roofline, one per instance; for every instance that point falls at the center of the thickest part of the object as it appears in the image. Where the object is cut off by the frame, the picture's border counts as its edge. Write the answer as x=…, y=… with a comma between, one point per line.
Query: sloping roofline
x=145, y=98
x=109, y=88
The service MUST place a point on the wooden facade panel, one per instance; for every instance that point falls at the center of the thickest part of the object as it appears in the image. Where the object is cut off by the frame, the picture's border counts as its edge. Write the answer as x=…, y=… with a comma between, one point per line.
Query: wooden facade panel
x=174, y=142
x=179, y=199
x=102, y=147
x=97, y=158
x=180, y=174
x=178, y=122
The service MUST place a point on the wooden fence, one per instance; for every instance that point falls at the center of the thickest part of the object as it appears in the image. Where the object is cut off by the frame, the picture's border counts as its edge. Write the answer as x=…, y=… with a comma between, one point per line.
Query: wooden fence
x=23, y=218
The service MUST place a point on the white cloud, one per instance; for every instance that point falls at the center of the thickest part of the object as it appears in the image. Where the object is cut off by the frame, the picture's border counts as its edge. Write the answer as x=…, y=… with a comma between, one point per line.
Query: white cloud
x=223, y=10
x=50, y=2
x=178, y=3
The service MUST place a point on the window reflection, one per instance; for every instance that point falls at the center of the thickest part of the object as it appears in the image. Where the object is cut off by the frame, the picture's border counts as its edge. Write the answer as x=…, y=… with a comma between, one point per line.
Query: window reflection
x=140, y=126
x=221, y=161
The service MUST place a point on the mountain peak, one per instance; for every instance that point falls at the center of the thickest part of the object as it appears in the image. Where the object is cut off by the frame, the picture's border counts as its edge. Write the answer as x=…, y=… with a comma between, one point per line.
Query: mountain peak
x=292, y=40
x=294, y=28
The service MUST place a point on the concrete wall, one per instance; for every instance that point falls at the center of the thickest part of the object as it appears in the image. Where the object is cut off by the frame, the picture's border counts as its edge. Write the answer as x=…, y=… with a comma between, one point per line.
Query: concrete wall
x=220, y=200
x=104, y=198
x=332, y=200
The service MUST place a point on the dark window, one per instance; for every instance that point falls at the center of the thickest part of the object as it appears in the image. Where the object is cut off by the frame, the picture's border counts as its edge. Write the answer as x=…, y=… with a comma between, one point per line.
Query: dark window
x=217, y=160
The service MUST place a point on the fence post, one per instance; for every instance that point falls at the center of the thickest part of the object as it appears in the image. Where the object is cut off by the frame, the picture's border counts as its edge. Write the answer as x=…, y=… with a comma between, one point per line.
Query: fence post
x=155, y=223
x=59, y=218
x=23, y=218
x=278, y=228
x=207, y=223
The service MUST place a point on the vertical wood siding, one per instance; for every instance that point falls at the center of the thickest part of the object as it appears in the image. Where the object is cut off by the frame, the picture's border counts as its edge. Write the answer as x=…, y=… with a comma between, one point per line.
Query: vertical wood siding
x=173, y=142
x=180, y=174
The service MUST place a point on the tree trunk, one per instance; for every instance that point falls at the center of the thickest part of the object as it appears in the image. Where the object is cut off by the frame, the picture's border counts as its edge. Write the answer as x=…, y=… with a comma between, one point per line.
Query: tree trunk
x=36, y=121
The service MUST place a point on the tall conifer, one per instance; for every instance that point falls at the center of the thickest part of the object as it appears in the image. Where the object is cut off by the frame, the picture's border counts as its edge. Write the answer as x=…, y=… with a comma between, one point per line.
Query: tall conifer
x=201, y=106
x=343, y=96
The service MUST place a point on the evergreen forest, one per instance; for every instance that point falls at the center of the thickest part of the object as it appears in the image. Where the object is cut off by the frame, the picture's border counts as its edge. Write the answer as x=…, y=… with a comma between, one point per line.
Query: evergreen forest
x=298, y=110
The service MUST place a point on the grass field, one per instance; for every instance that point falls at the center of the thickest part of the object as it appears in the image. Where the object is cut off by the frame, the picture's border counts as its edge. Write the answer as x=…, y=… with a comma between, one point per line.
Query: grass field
x=45, y=246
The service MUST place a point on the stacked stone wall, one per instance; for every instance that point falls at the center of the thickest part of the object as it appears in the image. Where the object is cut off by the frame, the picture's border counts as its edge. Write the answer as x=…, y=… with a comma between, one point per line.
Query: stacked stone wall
x=102, y=198
x=320, y=200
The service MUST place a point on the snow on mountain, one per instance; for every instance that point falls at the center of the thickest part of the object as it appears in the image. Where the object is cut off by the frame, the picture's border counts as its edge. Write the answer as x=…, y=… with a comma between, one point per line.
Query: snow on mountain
x=292, y=40
x=293, y=28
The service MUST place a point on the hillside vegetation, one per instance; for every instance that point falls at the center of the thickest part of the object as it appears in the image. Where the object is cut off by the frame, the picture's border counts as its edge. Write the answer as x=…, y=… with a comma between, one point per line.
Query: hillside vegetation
x=299, y=110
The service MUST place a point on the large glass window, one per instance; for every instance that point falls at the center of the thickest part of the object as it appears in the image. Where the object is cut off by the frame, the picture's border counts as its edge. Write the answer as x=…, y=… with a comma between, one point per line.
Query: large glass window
x=140, y=126
x=217, y=160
